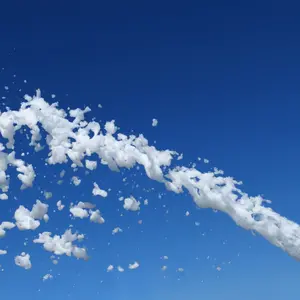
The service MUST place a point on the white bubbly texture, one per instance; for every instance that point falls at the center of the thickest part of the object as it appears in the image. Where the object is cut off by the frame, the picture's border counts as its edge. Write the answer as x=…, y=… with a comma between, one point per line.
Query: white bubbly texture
x=69, y=137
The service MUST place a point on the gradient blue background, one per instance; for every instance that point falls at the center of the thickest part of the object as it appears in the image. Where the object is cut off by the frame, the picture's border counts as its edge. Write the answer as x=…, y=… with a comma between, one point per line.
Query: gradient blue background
x=222, y=78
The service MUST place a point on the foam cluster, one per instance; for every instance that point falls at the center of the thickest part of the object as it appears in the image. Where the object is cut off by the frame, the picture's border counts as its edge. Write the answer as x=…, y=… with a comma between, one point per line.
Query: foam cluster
x=70, y=138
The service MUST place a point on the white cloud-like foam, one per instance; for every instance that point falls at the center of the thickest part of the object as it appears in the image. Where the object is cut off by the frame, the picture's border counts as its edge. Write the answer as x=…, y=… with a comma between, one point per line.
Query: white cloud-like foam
x=116, y=230
x=84, y=210
x=75, y=180
x=47, y=277
x=60, y=245
x=59, y=205
x=133, y=266
x=79, y=212
x=110, y=268
x=5, y=226
x=120, y=269
x=3, y=196
x=75, y=139
x=90, y=164
x=131, y=204
x=96, y=217
x=99, y=192
x=23, y=261
x=154, y=122
x=29, y=220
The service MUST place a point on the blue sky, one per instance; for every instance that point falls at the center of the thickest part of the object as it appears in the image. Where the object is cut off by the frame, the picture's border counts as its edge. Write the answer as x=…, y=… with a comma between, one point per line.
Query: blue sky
x=222, y=78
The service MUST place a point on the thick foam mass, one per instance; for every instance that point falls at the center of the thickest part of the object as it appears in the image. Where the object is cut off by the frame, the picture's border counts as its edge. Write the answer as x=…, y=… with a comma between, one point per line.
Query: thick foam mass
x=71, y=138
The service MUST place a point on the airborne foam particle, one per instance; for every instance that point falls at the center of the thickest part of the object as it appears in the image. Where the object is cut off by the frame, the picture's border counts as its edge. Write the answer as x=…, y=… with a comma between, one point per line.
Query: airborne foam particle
x=99, y=192
x=63, y=244
x=4, y=226
x=47, y=277
x=90, y=164
x=110, y=268
x=154, y=122
x=116, y=230
x=23, y=261
x=76, y=181
x=120, y=269
x=3, y=196
x=133, y=266
x=47, y=195
x=96, y=217
x=59, y=205
x=29, y=220
x=131, y=204
x=180, y=157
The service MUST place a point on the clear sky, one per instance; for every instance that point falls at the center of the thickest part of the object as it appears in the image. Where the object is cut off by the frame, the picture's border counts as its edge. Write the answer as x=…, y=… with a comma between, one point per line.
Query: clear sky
x=222, y=79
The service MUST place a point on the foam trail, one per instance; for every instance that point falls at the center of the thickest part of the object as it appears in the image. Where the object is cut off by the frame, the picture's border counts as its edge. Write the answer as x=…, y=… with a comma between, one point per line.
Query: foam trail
x=70, y=137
